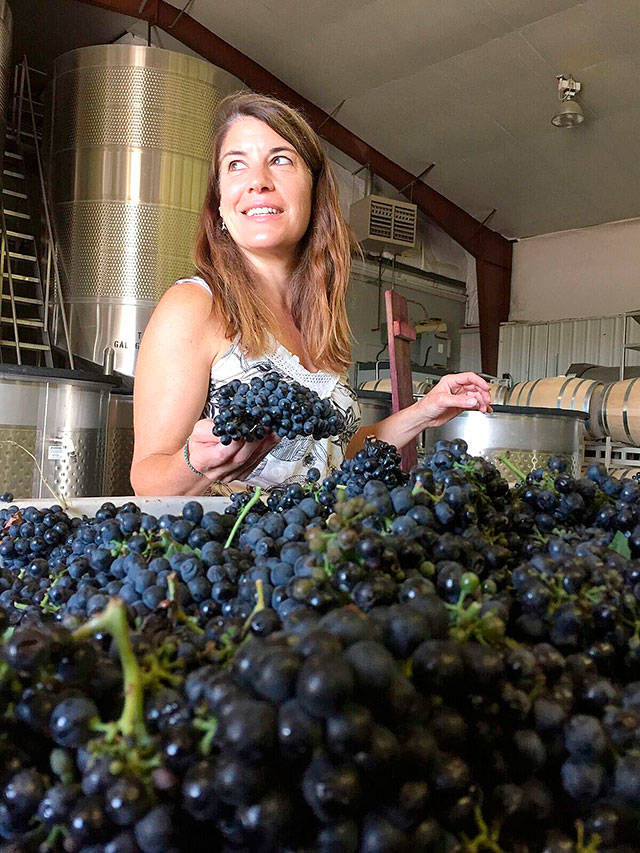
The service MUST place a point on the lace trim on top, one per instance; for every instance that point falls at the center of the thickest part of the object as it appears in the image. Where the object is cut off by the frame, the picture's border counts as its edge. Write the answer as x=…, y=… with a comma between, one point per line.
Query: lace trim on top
x=282, y=359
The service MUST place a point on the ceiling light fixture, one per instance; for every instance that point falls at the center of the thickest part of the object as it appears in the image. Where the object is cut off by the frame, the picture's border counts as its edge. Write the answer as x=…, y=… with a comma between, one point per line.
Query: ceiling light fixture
x=570, y=112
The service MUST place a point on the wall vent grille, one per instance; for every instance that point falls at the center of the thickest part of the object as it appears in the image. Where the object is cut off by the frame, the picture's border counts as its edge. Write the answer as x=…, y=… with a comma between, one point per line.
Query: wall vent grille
x=380, y=223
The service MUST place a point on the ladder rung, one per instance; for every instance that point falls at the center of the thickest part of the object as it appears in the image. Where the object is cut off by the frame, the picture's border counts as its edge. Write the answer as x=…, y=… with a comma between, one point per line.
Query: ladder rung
x=13, y=193
x=13, y=154
x=17, y=214
x=18, y=256
x=26, y=299
x=20, y=235
x=20, y=321
x=21, y=345
x=11, y=174
x=17, y=277
x=27, y=133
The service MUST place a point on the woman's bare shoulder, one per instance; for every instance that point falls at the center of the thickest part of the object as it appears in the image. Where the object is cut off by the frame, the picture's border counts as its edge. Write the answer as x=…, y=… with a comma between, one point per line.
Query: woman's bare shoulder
x=187, y=310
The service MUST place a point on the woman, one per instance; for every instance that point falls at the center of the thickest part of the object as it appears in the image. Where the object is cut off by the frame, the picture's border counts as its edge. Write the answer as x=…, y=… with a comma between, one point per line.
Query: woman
x=273, y=257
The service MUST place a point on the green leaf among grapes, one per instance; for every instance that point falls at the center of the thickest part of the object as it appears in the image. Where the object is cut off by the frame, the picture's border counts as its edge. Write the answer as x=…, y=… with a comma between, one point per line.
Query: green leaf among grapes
x=620, y=545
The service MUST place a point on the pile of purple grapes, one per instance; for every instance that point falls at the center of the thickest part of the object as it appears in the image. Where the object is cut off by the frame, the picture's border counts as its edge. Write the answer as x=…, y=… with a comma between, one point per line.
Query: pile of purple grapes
x=377, y=662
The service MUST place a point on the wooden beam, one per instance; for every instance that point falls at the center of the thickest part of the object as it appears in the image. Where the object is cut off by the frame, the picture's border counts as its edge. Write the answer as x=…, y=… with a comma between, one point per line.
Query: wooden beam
x=461, y=226
x=494, y=290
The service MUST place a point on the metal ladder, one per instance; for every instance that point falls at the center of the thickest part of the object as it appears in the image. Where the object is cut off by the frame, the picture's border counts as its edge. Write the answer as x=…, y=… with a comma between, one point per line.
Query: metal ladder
x=24, y=294
x=22, y=322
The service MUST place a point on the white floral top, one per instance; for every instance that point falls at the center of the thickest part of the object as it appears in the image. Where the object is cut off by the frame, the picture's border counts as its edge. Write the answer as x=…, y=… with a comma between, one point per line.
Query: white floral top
x=289, y=461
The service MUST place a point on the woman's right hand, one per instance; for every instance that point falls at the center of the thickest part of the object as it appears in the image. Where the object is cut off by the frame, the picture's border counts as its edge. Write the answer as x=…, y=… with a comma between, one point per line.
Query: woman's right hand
x=224, y=463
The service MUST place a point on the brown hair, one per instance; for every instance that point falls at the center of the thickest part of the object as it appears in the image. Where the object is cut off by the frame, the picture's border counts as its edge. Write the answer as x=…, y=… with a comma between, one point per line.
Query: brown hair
x=319, y=282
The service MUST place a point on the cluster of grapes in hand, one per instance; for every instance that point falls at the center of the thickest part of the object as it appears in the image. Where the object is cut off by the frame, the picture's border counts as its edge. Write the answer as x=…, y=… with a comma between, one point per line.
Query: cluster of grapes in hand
x=373, y=662
x=249, y=411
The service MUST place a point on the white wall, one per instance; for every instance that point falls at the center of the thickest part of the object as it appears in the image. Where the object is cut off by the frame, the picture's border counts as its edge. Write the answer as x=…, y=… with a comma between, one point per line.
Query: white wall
x=434, y=252
x=426, y=300
x=470, y=354
x=590, y=272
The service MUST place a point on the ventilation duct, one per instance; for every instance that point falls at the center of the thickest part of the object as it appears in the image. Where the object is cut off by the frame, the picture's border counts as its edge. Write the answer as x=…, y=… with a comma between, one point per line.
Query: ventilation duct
x=383, y=224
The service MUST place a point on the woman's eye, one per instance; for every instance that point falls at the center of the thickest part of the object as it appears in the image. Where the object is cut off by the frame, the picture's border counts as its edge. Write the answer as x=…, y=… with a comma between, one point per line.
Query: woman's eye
x=234, y=165
x=282, y=160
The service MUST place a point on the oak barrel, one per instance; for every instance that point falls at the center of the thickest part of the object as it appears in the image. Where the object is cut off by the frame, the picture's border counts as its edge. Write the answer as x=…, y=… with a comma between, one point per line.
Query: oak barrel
x=385, y=385
x=621, y=411
x=621, y=473
x=562, y=392
x=498, y=393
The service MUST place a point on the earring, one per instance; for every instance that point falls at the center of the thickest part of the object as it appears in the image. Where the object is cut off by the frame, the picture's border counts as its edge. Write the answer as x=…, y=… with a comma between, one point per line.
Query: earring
x=223, y=227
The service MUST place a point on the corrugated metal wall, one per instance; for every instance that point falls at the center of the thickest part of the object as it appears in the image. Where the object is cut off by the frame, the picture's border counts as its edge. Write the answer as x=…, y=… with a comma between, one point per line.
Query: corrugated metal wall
x=534, y=350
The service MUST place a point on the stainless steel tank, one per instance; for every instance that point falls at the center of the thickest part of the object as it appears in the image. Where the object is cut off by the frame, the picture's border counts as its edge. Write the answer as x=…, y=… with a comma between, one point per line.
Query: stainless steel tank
x=60, y=417
x=374, y=405
x=6, y=36
x=526, y=436
x=131, y=138
x=119, y=445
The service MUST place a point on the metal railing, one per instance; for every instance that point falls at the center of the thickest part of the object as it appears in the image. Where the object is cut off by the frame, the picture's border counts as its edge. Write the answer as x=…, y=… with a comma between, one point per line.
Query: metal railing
x=24, y=95
x=5, y=260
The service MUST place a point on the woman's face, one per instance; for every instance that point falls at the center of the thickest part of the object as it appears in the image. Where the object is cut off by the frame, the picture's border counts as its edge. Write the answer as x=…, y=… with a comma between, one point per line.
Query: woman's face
x=265, y=189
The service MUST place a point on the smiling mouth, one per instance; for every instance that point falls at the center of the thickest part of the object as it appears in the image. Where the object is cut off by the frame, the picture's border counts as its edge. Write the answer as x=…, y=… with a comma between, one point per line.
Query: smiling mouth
x=262, y=211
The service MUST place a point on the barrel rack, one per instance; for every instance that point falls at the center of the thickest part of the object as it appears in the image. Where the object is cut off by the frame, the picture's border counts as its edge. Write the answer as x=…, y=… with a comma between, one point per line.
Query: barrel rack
x=620, y=458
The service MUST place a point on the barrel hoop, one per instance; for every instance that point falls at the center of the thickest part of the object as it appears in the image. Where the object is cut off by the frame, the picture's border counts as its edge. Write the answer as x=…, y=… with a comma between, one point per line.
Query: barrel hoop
x=587, y=399
x=560, y=393
x=586, y=406
x=625, y=414
x=535, y=382
x=522, y=393
x=605, y=398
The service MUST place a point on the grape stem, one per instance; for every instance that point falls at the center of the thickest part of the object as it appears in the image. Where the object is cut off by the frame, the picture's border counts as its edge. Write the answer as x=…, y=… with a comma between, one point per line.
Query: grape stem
x=581, y=847
x=177, y=612
x=514, y=468
x=418, y=489
x=260, y=605
x=50, y=488
x=245, y=509
x=486, y=839
x=113, y=620
x=55, y=836
x=208, y=725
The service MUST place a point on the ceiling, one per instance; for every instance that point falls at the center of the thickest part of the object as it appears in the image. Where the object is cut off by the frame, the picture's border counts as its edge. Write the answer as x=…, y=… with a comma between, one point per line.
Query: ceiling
x=466, y=84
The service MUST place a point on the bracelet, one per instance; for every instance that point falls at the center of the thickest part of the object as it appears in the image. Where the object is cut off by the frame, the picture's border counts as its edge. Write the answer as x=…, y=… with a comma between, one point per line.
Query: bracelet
x=188, y=461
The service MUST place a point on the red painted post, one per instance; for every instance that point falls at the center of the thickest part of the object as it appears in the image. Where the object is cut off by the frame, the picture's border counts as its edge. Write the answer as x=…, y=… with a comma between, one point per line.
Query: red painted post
x=400, y=334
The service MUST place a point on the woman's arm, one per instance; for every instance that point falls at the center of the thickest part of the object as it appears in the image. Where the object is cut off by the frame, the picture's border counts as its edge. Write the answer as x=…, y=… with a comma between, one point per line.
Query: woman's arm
x=453, y=394
x=172, y=380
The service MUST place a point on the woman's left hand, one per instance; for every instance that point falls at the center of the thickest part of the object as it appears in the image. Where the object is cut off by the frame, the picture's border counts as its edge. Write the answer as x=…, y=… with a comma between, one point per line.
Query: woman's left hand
x=453, y=394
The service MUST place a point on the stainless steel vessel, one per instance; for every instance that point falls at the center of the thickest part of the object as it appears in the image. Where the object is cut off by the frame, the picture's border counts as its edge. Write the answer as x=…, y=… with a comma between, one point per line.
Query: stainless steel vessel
x=130, y=147
x=526, y=436
x=119, y=445
x=60, y=417
x=374, y=405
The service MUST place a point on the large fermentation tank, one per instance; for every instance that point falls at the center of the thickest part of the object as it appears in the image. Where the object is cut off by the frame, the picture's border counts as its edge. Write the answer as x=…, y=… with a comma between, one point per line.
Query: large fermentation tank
x=58, y=416
x=131, y=141
x=119, y=445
